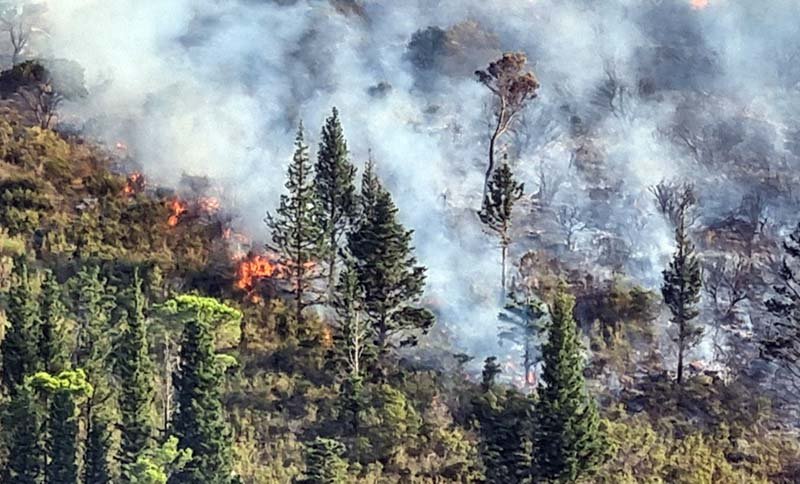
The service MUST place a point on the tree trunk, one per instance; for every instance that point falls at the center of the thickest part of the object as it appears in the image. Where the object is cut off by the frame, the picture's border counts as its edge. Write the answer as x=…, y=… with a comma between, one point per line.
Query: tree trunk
x=503, y=250
x=680, y=355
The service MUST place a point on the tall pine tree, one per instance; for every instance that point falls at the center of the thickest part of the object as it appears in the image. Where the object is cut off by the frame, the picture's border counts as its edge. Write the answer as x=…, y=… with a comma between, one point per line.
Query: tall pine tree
x=52, y=350
x=569, y=442
x=98, y=454
x=682, y=284
x=134, y=370
x=199, y=420
x=296, y=232
x=23, y=424
x=392, y=281
x=61, y=444
x=324, y=462
x=335, y=189
x=502, y=193
x=19, y=346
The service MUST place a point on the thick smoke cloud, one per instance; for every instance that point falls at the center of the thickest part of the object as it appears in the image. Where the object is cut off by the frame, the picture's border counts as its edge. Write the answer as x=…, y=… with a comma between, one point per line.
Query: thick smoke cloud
x=217, y=88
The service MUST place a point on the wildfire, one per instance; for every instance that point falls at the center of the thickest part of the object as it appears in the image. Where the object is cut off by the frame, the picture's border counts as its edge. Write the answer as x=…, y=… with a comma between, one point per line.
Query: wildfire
x=255, y=267
x=134, y=185
x=177, y=209
x=699, y=4
x=208, y=205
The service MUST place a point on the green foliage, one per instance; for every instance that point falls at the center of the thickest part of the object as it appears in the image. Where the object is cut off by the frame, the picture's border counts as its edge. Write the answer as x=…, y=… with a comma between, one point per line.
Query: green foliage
x=23, y=204
x=520, y=324
x=335, y=190
x=91, y=304
x=223, y=319
x=156, y=465
x=392, y=281
x=134, y=370
x=324, y=463
x=295, y=227
x=98, y=453
x=199, y=420
x=52, y=313
x=20, y=355
x=23, y=424
x=569, y=441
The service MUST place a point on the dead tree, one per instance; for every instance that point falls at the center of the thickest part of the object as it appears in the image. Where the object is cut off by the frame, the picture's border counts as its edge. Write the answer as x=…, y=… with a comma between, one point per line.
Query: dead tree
x=512, y=87
x=569, y=218
x=17, y=19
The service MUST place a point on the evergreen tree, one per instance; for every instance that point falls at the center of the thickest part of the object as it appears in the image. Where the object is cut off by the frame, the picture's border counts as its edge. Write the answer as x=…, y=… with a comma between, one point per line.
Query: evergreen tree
x=324, y=463
x=52, y=351
x=199, y=421
x=352, y=342
x=489, y=374
x=91, y=305
x=521, y=323
x=62, y=435
x=19, y=351
x=387, y=269
x=682, y=284
x=98, y=454
x=335, y=189
x=133, y=368
x=569, y=443
x=23, y=424
x=502, y=193
x=296, y=232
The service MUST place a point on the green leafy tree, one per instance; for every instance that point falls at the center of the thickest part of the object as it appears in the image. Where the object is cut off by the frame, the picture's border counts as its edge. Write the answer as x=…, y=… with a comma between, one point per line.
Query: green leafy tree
x=324, y=462
x=134, y=370
x=296, y=232
x=502, y=193
x=156, y=465
x=62, y=436
x=91, y=306
x=568, y=438
x=682, y=282
x=392, y=281
x=20, y=355
x=23, y=424
x=52, y=313
x=335, y=189
x=199, y=420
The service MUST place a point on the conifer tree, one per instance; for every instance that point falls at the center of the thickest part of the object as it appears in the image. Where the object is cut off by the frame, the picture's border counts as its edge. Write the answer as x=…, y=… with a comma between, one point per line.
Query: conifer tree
x=98, y=454
x=91, y=306
x=52, y=350
x=133, y=368
x=490, y=371
x=335, y=190
x=199, y=421
x=502, y=193
x=521, y=324
x=324, y=463
x=23, y=424
x=353, y=345
x=569, y=443
x=296, y=232
x=61, y=444
x=19, y=351
x=392, y=281
x=681, y=288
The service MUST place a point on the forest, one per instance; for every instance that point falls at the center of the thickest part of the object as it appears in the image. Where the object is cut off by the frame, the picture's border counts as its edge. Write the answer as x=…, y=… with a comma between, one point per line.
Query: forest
x=342, y=241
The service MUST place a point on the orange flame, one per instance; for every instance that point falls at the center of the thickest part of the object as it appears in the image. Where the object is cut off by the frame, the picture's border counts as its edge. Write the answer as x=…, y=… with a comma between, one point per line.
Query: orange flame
x=178, y=208
x=255, y=267
x=327, y=337
x=134, y=184
x=208, y=205
x=699, y=4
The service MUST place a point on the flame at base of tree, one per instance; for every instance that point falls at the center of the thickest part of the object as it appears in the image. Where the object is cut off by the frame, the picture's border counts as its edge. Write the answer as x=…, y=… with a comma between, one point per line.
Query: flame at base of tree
x=177, y=209
x=135, y=184
x=254, y=267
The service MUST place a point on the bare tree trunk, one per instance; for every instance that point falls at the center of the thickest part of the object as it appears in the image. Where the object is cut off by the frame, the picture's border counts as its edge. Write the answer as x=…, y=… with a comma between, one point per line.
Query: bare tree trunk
x=503, y=250
x=680, y=355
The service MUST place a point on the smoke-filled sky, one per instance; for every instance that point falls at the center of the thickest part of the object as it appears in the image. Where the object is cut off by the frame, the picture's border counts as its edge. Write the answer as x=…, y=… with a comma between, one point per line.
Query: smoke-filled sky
x=217, y=88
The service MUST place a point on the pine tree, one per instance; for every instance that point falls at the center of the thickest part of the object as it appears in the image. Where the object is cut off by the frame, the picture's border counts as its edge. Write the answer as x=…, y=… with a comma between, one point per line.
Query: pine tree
x=502, y=193
x=324, y=463
x=199, y=421
x=23, y=422
x=296, y=232
x=133, y=368
x=392, y=281
x=489, y=374
x=520, y=325
x=19, y=352
x=97, y=458
x=63, y=390
x=91, y=305
x=335, y=189
x=52, y=351
x=681, y=288
x=569, y=443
